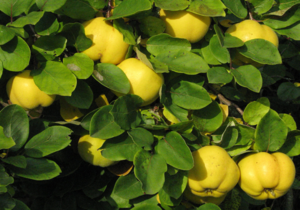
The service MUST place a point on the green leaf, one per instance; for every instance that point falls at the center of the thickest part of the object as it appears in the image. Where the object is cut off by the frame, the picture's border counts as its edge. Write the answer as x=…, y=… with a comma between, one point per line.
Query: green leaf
x=158, y=66
x=128, y=187
x=80, y=65
x=7, y=202
x=232, y=94
x=248, y=76
x=190, y=95
x=239, y=149
x=166, y=200
x=125, y=111
x=120, y=148
x=38, y=169
x=237, y=7
x=85, y=122
x=262, y=6
x=255, y=110
x=261, y=51
x=49, y=47
x=14, y=8
x=126, y=30
x=289, y=121
x=163, y=43
x=6, y=34
x=15, y=50
x=20, y=205
x=291, y=147
x=246, y=134
x=20, y=32
x=18, y=161
x=82, y=96
x=291, y=16
x=271, y=132
x=6, y=142
x=209, y=206
x=5, y=179
x=51, y=140
x=175, y=151
x=208, y=119
x=183, y=61
x=146, y=207
x=99, y=4
x=50, y=6
x=175, y=184
x=32, y=18
x=130, y=7
x=232, y=41
x=287, y=91
x=142, y=137
x=1, y=69
x=183, y=127
x=172, y=5
x=152, y=26
x=208, y=55
x=272, y=74
x=283, y=4
x=112, y=77
x=47, y=25
x=54, y=78
x=150, y=169
x=102, y=124
x=15, y=123
x=219, y=52
x=229, y=137
x=211, y=8
x=219, y=75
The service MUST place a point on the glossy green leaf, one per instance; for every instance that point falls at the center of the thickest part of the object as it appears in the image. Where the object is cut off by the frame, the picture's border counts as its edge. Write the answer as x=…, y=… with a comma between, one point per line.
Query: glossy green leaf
x=212, y=8
x=6, y=142
x=126, y=30
x=158, y=66
x=232, y=94
x=102, y=124
x=38, y=169
x=125, y=111
x=208, y=55
x=5, y=179
x=112, y=77
x=50, y=140
x=262, y=6
x=183, y=61
x=232, y=41
x=271, y=132
x=246, y=134
x=289, y=121
x=163, y=43
x=85, y=122
x=32, y=18
x=219, y=75
x=287, y=91
x=20, y=205
x=50, y=6
x=209, y=206
x=239, y=149
x=208, y=119
x=47, y=25
x=248, y=76
x=219, y=52
x=18, y=161
x=20, y=32
x=128, y=187
x=49, y=47
x=291, y=147
x=272, y=74
x=166, y=201
x=291, y=16
x=229, y=137
x=99, y=4
x=7, y=202
x=189, y=95
x=130, y=7
x=14, y=8
x=150, y=169
x=120, y=148
x=255, y=110
x=142, y=57
x=172, y=5
x=146, y=207
x=151, y=26
x=183, y=127
x=15, y=123
x=1, y=69
x=176, y=184
x=175, y=151
x=80, y=65
x=142, y=137
x=237, y=7
x=15, y=50
x=82, y=96
x=261, y=51
x=6, y=34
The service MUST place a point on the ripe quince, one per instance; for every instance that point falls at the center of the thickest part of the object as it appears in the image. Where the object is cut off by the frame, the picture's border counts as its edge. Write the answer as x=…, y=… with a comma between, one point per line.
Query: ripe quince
x=144, y=82
x=247, y=30
x=214, y=174
x=22, y=91
x=88, y=149
x=266, y=176
x=186, y=25
x=108, y=44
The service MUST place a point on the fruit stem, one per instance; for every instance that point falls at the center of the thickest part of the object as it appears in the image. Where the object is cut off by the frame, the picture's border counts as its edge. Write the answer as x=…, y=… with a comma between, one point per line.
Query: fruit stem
x=249, y=11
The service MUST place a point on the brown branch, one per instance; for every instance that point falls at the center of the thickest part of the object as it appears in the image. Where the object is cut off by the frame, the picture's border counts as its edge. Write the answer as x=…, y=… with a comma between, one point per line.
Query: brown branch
x=229, y=103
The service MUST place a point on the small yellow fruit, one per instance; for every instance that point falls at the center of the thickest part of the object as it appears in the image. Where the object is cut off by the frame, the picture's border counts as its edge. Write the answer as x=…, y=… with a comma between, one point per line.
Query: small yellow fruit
x=214, y=173
x=248, y=30
x=68, y=112
x=22, y=91
x=200, y=200
x=186, y=25
x=266, y=176
x=144, y=82
x=88, y=149
x=226, y=23
x=108, y=44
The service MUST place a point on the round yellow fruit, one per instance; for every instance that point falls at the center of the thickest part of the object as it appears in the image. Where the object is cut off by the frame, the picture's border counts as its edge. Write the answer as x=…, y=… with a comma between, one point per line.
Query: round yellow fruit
x=266, y=176
x=22, y=91
x=214, y=173
x=144, y=82
x=108, y=44
x=186, y=25
x=200, y=200
x=88, y=149
x=248, y=30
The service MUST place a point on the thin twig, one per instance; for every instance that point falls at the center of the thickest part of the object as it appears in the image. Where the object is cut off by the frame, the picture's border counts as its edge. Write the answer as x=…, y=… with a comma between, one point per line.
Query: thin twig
x=249, y=11
x=229, y=103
